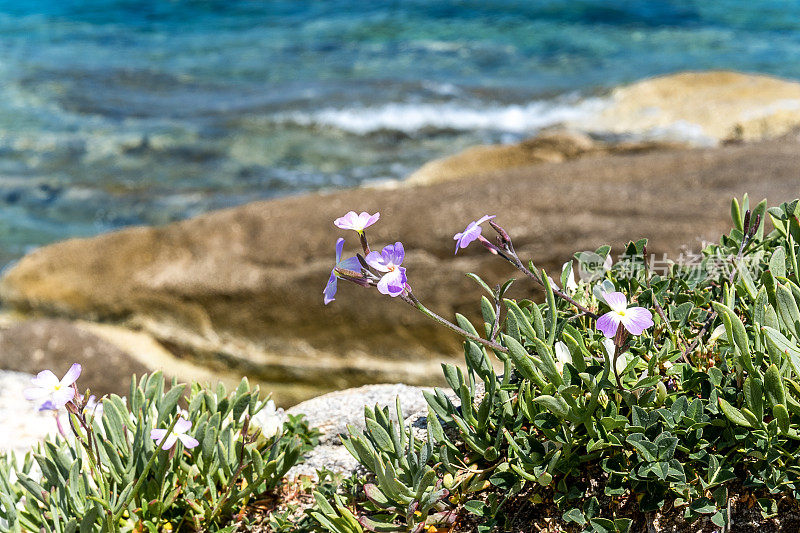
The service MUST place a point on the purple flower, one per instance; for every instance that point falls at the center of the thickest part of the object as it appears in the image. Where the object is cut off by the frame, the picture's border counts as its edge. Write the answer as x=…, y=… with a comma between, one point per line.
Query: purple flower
x=178, y=433
x=472, y=232
x=350, y=263
x=356, y=222
x=389, y=260
x=634, y=319
x=53, y=394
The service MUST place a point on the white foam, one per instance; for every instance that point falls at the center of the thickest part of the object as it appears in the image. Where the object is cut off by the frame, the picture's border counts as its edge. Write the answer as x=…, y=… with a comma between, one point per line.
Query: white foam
x=412, y=117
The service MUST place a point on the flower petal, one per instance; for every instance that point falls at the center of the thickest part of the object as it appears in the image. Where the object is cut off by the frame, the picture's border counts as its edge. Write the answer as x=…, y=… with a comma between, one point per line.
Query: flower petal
x=157, y=434
x=188, y=441
x=616, y=300
x=351, y=263
x=483, y=219
x=71, y=376
x=637, y=319
x=339, y=246
x=170, y=442
x=376, y=261
x=562, y=353
x=45, y=379
x=393, y=283
x=347, y=221
x=608, y=324
x=372, y=219
x=182, y=426
x=608, y=344
x=330, y=290
x=623, y=361
x=63, y=396
x=48, y=406
x=398, y=253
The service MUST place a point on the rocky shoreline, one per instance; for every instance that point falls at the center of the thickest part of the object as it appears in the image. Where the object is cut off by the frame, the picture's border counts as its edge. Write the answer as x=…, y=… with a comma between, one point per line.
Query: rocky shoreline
x=238, y=292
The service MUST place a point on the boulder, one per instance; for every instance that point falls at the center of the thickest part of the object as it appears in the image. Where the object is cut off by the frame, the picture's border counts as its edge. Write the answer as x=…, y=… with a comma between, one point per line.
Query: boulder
x=672, y=111
x=332, y=413
x=239, y=291
x=707, y=107
x=549, y=147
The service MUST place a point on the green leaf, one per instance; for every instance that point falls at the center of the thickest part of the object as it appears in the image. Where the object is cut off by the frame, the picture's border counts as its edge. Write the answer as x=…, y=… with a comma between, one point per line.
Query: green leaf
x=603, y=525
x=525, y=326
x=574, y=515
x=787, y=309
x=736, y=331
x=647, y=450
x=773, y=385
x=777, y=342
x=777, y=263
x=557, y=406
x=551, y=309
x=736, y=215
x=781, y=414
x=522, y=361
x=477, y=279
x=733, y=414
x=754, y=396
x=380, y=437
x=465, y=324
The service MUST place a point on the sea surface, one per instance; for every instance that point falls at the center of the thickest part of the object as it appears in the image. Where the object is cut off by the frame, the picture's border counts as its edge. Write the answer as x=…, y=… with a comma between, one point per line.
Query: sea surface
x=121, y=112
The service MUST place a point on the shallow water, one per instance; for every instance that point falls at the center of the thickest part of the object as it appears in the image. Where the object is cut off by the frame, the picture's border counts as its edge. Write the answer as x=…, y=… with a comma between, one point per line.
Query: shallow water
x=120, y=112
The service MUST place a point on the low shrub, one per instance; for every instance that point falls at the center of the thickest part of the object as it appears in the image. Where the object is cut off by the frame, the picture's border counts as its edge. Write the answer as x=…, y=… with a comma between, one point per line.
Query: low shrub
x=628, y=392
x=143, y=463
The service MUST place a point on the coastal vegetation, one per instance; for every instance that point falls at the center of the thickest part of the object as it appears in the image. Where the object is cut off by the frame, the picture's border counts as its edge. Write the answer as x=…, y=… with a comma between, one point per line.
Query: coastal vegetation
x=636, y=394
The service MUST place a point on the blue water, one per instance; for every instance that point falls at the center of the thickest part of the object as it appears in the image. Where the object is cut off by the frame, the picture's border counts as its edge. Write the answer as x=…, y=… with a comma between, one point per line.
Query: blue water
x=115, y=113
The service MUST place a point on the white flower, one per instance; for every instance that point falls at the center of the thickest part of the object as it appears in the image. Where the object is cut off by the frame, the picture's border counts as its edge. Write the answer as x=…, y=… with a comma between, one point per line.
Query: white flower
x=562, y=356
x=178, y=433
x=52, y=393
x=571, y=285
x=270, y=421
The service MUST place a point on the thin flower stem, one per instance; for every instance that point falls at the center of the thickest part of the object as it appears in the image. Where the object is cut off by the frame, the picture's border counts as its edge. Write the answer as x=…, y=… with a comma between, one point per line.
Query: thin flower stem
x=496, y=326
x=409, y=298
x=522, y=268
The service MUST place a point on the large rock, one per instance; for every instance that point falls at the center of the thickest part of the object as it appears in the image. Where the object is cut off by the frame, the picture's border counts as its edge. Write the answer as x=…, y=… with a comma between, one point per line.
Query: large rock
x=677, y=110
x=332, y=413
x=704, y=106
x=549, y=147
x=240, y=290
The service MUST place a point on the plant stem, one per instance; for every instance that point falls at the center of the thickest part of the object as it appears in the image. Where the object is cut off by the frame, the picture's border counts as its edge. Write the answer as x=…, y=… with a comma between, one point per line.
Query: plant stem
x=515, y=260
x=409, y=298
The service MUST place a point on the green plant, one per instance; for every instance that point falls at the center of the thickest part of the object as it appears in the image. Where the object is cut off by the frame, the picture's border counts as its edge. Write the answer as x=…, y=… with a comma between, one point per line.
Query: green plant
x=670, y=403
x=406, y=486
x=110, y=475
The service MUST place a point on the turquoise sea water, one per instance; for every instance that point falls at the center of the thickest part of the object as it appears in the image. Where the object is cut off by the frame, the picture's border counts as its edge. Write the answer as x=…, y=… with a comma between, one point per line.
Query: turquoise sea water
x=117, y=112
